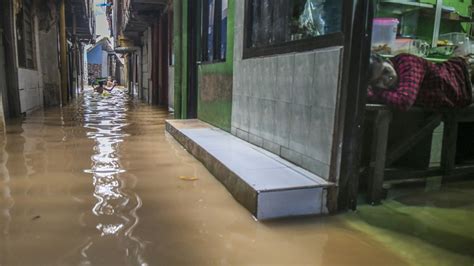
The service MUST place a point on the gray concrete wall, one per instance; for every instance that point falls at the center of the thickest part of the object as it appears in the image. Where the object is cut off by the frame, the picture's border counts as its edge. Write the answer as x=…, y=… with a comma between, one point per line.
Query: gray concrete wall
x=287, y=103
x=30, y=81
x=3, y=85
x=105, y=65
x=50, y=65
x=146, y=59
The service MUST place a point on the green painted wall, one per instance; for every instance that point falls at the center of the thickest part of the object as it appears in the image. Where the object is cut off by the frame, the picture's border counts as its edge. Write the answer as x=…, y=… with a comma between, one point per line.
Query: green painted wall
x=214, y=79
x=215, y=83
x=462, y=6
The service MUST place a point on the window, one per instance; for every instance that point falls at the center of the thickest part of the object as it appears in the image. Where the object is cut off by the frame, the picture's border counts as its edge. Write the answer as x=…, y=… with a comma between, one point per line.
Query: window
x=291, y=25
x=214, y=30
x=25, y=35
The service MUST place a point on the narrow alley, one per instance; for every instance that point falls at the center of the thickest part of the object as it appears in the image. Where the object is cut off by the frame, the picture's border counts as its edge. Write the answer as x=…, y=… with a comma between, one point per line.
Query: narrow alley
x=236, y=132
x=100, y=183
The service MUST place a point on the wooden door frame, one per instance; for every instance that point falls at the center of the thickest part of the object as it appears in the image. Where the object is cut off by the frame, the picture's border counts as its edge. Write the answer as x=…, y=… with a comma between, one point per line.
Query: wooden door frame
x=11, y=65
x=163, y=62
x=347, y=145
x=160, y=61
x=155, y=67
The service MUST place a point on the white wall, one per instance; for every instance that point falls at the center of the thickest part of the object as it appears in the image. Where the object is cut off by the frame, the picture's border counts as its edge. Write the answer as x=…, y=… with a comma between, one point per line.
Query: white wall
x=30, y=81
x=31, y=90
x=105, y=65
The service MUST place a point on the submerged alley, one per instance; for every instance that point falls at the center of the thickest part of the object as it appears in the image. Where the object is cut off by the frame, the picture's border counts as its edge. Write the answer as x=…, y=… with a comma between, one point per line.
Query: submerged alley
x=101, y=183
x=228, y=132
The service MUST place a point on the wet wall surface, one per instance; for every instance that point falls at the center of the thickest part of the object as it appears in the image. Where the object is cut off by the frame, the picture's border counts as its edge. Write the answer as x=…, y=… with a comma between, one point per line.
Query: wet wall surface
x=100, y=183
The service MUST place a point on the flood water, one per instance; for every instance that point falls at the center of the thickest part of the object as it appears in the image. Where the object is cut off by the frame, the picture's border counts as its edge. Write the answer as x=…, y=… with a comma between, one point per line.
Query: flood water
x=98, y=183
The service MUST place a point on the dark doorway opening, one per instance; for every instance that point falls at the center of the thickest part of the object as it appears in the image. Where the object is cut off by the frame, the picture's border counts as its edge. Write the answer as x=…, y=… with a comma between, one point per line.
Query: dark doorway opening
x=193, y=26
x=160, y=61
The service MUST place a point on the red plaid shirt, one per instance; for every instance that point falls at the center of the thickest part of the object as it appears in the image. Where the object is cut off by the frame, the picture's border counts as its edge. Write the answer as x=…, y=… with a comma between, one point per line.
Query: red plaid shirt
x=426, y=84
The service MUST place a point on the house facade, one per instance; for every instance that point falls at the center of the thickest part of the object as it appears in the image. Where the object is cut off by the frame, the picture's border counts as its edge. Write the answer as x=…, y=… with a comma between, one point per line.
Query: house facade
x=258, y=70
x=42, y=52
x=261, y=71
x=141, y=30
x=203, y=49
x=103, y=62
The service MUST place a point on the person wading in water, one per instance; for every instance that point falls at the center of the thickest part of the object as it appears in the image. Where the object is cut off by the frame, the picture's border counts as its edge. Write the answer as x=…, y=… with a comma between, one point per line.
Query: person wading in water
x=101, y=88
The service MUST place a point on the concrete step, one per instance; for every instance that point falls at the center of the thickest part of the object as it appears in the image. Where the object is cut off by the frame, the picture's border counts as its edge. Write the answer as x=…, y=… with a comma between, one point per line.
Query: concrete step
x=267, y=185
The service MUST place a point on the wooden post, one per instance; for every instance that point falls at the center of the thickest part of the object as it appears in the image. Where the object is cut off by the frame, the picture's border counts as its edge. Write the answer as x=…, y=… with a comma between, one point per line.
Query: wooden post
x=75, y=69
x=378, y=156
x=448, y=152
x=3, y=85
x=63, y=52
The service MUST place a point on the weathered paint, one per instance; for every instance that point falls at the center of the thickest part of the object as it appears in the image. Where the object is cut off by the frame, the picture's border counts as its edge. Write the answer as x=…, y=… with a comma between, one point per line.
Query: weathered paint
x=48, y=58
x=180, y=47
x=214, y=79
x=215, y=83
x=3, y=85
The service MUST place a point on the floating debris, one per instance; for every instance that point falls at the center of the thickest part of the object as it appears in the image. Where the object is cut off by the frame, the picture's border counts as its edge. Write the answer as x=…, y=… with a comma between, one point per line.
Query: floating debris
x=36, y=217
x=188, y=178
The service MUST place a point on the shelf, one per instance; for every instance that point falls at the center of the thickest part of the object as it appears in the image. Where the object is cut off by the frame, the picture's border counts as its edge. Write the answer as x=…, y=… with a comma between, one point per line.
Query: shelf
x=399, y=6
x=407, y=3
x=431, y=59
x=451, y=16
x=404, y=6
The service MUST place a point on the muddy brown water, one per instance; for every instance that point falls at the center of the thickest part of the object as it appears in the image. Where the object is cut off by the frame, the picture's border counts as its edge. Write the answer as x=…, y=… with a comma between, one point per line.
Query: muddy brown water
x=98, y=183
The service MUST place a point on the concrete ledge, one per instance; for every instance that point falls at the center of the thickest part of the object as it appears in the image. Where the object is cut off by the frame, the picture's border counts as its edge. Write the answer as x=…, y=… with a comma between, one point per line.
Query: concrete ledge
x=267, y=185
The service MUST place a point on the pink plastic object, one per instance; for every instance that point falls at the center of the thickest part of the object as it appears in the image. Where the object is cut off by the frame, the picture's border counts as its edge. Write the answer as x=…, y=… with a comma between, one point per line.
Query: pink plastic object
x=384, y=32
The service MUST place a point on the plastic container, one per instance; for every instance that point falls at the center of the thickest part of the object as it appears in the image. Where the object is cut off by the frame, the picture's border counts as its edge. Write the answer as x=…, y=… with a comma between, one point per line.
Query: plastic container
x=460, y=40
x=384, y=32
x=454, y=37
x=410, y=46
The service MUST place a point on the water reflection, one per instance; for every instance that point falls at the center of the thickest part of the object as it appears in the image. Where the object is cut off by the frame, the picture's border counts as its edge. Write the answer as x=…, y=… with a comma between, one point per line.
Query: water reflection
x=106, y=118
x=85, y=169
x=6, y=202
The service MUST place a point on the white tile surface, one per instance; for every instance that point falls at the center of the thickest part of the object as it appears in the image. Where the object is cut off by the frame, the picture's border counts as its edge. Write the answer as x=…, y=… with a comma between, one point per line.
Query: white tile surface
x=257, y=167
x=289, y=203
x=283, y=189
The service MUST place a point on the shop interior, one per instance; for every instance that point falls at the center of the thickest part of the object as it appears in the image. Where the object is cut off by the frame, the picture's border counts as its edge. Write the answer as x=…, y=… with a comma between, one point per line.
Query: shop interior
x=418, y=164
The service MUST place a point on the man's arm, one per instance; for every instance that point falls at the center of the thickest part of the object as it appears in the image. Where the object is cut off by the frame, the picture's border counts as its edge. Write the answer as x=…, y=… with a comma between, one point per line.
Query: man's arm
x=109, y=90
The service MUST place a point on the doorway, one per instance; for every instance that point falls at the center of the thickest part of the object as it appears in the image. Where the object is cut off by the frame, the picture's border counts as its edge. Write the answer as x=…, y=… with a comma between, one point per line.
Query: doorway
x=193, y=48
x=160, y=61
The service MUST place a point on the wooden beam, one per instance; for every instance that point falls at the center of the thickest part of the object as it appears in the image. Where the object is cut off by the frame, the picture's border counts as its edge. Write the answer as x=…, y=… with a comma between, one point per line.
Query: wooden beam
x=448, y=151
x=378, y=154
x=396, y=174
x=63, y=52
x=459, y=173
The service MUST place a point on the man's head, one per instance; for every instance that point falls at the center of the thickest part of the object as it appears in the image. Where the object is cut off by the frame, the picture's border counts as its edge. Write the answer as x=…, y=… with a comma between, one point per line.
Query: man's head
x=382, y=74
